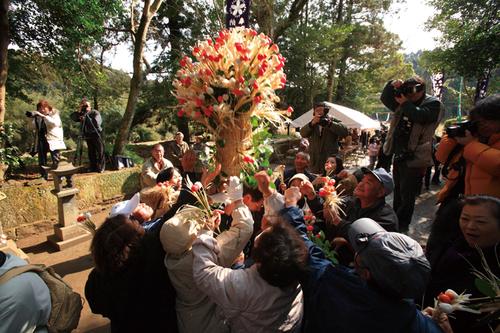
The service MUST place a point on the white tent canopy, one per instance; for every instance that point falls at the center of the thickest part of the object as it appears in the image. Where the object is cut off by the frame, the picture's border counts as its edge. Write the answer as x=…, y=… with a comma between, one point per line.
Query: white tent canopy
x=349, y=117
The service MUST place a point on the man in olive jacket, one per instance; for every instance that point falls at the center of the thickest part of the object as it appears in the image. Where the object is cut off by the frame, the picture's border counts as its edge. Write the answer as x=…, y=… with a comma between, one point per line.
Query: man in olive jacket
x=416, y=116
x=323, y=133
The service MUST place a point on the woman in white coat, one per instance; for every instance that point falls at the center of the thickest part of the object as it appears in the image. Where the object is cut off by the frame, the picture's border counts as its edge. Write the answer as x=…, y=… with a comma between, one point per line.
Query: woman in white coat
x=49, y=134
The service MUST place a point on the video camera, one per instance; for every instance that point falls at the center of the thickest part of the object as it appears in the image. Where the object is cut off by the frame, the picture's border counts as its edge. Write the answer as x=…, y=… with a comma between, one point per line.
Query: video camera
x=408, y=88
x=30, y=114
x=458, y=129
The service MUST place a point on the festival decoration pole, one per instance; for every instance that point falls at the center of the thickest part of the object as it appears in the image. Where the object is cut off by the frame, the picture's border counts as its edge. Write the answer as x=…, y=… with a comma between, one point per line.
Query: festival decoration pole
x=459, y=110
x=437, y=85
x=482, y=86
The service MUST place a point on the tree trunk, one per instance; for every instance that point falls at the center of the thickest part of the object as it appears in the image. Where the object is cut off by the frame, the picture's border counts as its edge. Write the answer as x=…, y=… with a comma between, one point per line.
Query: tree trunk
x=332, y=66
x=4, y=44
x=175, y=38
x=135, y=83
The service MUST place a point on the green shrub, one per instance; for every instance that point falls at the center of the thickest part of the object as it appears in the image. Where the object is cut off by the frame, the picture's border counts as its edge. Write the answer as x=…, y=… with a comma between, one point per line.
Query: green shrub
x=10, y=154
x=141, y=133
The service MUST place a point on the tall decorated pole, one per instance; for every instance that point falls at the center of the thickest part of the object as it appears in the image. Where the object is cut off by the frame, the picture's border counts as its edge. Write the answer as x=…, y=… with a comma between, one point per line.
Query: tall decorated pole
x=459, y=110
x=482, y=86
x=438, y=84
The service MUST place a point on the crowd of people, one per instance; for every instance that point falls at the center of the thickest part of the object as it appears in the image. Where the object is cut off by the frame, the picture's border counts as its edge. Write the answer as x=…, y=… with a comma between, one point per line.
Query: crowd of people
x=254, y=265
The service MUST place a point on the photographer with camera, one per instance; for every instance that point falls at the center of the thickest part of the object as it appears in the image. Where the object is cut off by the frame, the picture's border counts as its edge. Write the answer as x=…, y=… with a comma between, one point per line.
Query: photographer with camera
x=91, y=131
x=470, y=152
x=416, y=116
x=48, y=134
x=323, y=133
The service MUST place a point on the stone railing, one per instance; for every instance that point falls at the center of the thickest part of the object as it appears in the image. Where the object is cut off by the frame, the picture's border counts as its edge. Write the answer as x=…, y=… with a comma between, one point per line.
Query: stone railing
x=27, y=210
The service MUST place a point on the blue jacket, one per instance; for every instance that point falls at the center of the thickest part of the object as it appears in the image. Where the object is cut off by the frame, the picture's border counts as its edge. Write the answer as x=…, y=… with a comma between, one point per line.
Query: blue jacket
x=24, y=300
x=338, y=300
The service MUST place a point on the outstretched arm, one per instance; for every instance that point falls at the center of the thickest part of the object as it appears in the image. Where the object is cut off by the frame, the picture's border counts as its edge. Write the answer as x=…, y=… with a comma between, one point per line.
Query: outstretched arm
x=317, y=259
x=233, y=241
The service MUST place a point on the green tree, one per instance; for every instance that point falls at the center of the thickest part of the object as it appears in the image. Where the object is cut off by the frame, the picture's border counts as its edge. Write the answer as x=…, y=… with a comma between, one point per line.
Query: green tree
x=64, y=32
x=469, y=44
x=139, y=30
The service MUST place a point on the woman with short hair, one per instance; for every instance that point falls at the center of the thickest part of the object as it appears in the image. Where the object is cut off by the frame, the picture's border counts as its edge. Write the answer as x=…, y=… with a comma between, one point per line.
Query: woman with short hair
x=130, y=284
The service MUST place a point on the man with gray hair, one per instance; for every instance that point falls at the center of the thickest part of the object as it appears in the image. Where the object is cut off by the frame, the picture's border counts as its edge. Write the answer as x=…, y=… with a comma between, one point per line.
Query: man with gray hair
x=175, y=149
x=153, y=165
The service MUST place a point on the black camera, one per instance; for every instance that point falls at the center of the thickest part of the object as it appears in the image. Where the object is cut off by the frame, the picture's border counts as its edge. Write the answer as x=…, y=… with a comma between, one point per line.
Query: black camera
x=325, y=121
x=458, y=129
x=30, y=114
x=406, y=89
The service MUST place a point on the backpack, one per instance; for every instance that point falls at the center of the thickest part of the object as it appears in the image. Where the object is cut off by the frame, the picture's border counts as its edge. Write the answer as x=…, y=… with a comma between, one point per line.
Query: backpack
x=66, y=305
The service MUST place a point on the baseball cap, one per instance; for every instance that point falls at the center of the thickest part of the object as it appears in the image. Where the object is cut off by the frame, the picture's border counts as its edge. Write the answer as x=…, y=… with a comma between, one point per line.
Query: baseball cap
x=125, y=207
x=382, y=176
x=300, y=176
x=396, y=262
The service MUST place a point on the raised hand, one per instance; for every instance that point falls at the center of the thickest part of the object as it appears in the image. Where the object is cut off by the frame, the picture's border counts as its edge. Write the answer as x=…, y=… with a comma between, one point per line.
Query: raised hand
x=307, y=189
x=292, y=196
x=263, y=181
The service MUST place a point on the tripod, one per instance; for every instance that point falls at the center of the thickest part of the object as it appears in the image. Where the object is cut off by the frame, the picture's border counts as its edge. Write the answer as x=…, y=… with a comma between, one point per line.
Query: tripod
x=77, y=160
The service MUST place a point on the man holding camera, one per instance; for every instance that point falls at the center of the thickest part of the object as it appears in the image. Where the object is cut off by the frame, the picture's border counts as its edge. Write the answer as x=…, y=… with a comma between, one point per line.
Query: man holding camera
x=416, y=116
x=91, y=130
x=323, y=133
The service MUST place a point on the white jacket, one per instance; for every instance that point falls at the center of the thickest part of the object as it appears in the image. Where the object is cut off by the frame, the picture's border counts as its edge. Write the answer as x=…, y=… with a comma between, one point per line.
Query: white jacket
x=246, y=300
x=55, y=136
x=195, y=311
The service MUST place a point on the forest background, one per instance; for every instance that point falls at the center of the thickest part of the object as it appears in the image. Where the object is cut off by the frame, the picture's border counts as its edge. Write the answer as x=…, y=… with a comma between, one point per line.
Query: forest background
x=336, y=50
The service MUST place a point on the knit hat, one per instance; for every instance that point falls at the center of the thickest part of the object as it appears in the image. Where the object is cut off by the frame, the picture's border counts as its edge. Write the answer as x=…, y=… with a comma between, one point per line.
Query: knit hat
x=396, y=262
x=300, y=176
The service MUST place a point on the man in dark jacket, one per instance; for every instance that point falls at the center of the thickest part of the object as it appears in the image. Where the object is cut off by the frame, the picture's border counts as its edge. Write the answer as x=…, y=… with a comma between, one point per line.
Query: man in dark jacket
x=416, y=116
x=323, y=133
x=91, y=130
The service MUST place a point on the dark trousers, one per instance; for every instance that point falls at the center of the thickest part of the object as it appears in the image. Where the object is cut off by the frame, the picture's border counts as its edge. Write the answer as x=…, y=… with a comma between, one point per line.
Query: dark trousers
x=406, y=182
x=43, y=149
x=384, y=161
x=435, y=177
x=95, y=148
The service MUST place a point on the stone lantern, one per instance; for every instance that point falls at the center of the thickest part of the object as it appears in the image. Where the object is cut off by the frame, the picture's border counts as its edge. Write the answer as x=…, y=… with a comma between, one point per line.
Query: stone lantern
x=67, y=232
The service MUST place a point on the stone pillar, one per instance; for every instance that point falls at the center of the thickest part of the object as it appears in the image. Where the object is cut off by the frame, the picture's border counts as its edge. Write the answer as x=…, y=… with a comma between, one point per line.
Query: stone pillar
x=67, y=232
x=8, y=245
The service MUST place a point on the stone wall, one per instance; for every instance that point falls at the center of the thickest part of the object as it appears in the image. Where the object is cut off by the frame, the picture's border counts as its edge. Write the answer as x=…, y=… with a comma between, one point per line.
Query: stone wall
x=28, y=210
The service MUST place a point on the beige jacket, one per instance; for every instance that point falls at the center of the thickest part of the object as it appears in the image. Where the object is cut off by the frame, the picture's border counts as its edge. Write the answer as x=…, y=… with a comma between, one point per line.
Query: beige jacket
x=150, y=171
x=195, y=311
x=247, y=302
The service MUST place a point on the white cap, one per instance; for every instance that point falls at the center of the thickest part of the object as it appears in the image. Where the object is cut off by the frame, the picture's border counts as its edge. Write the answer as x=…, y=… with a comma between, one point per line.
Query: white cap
x=125, y=207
